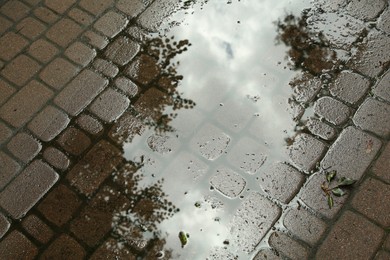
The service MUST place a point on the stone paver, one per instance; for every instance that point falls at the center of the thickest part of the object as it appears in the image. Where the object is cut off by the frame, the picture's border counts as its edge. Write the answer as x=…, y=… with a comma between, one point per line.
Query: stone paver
x=35, y=181
x=80, y=53
x=4, y=225
x=6, y=91
x=371, y=9
x=15, y=10
x=228, y=182
x=16, y=246
x=382, y=88
x=59, y=6
x=384, y=21
x=111, y=24
x=372, y=200
x=354, y=235
x=90, y=124
x=20, y=107
x=5, y=133
x=81, y=16
x=96, y=8
x=382, y=165
x=306, y=151
x=10, y=45
x=42, y=50
x=20, y=70
x=24, y=147
x=31, y=28
x=8, y=169
x=80, y=92
x=122, y=50
x=143, y=69
x=64, y=247
x=48, y=123
x=127, y=86
x=374, y=116
x=321, y=129
x=332, y=110
x=74, y=141
x=95, y=39
x=56, y=158
x=37, y=228
x=64, y=32
x=287, y=246
x=58, y=73
x=382, y=255
x=281, y=182
x=46, y=15
x=106, y=68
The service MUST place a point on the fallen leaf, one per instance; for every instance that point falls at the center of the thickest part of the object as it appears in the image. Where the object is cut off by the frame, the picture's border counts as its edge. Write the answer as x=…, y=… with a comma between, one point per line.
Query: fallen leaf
x=338, y=192
x=330, y=176
x=330, y=201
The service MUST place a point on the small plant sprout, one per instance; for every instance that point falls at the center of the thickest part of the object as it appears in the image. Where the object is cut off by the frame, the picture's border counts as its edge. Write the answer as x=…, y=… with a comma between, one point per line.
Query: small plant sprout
x=335, y=190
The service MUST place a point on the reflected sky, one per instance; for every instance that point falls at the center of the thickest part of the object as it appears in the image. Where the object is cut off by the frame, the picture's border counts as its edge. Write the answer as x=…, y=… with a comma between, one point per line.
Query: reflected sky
x=238, y=76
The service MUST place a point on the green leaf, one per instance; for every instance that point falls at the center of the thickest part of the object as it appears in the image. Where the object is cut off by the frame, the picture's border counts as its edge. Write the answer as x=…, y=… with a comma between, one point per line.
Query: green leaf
x=183, y=238
x=330, y=201
x=330, y=176
x=338, y=192
x=345, y=182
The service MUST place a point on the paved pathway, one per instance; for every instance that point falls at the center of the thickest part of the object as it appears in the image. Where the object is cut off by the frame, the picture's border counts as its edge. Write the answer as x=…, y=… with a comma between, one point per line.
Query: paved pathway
x=71, y=73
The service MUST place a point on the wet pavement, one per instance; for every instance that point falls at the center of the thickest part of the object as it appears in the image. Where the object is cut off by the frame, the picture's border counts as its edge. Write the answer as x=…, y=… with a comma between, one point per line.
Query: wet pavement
x=194, y=130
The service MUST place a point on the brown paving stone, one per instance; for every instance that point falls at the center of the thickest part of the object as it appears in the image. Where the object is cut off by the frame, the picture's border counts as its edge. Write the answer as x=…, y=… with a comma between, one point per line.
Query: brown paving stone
x=352, y=237
x=42, y=50
x=95, y=39
x=151, y=102
x=80, y=92
x=20, y=70
x=132, y=8
x=90, y=124
x=35, y=181
x=20, y=108
x=143, y=69
x=332, y=110
x=106, y=68
x=382, y=255
x=5, y=132
x=374, y=116
x=109, y=105
x=355, y=146
x=16, y=246
x=64, y=32
x=122, y=50
x=56, y=158
x=110, y=24
x=386, y=244
x=281, y=182
x=304, y=225
x=46, y=15
x=60, y=205
x=48, y=123
x=287, y=246
x=59, y=6
x=4, y=24
x=10, y=45
x=126, y=129
x=64, y=247
x=268, y=254
x=94, y=168
x=8, y=169
x=127, y=86
x=80, y=16
x=305, y=152
x=110, y=250
x=96, y=8
x=58, y=73
x=80, y=53
x=372, y=200
x=32, y=2
x=382, y=165
x=15, y=10
x=37, y=228
x=30, y=27
x=24, y=147
x=6, y=91
x=4, y=225
x=74, y=141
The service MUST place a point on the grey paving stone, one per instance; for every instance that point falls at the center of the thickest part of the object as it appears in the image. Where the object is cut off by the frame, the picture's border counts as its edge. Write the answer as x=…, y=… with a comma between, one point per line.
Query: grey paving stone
x=132, y=8
x=305, y=87
x=111, y=23
x=122, y=50
x=16, y=246
x=354, y=146
x=248, y=154
x=80, y=92
x=34, y=181
x=349, y=87
x=384, y=21
x=382, y=88
x=4, y=225
x=332, y=110
x=287, y=246
x=321, y=129
x=305, y=152
x=281, y=181
x=24, y=147
x=313, y=196
x=56, y=158
x=127, y=86
x=106, y=68
x=228, y=182
x=352, y=237
x=156, y=13
x=48, y=123
x=8, y=169
x=371, y=8
x=374, y=116
x=372, y=200
x=90, y=124
x=251, y=222
x=382, y=165
x=109, y=105
x=304, y=225
x=372, y=56
x=80, y=53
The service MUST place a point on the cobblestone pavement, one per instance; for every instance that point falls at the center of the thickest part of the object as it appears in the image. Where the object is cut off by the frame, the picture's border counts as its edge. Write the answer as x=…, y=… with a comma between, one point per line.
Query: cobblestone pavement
x=79, y=81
